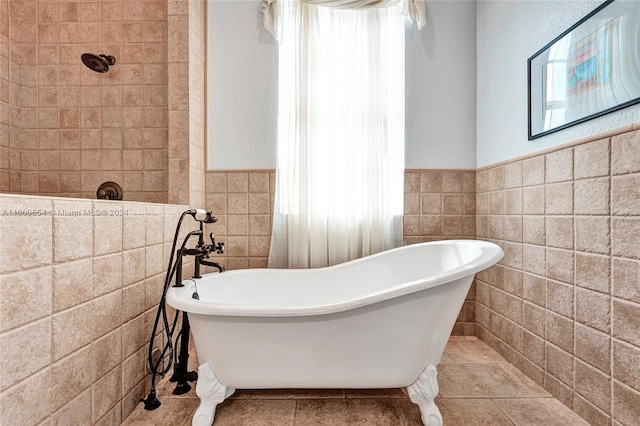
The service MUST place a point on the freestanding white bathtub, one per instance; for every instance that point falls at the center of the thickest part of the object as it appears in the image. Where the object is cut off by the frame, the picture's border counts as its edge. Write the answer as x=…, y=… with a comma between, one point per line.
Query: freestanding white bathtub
x=378, y=322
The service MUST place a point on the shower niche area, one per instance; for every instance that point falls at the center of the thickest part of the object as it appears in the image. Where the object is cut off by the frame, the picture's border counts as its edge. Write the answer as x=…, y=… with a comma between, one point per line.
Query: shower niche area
x=65, y=128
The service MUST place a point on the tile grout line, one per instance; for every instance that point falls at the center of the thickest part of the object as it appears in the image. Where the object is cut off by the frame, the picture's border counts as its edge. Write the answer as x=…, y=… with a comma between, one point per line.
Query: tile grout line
x=295, y=412
x=574, y=308
x=402, y=419
x=503, y=411
x=610, y=337
x=189, y=417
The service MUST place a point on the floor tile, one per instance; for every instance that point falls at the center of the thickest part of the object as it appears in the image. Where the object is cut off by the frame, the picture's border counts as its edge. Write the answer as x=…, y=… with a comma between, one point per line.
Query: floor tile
x=172, y=412
x=409, y=412
x=352, y=412
x=375, y=393
x=539, y=412
x=262, y=412
x=165, y=390
x=478, y=381
x=477, y=387
x=296, y=393
x=472, y=351
x=446, y=358
x=533, y=387
x=457, y=412
x=241, y=394
x=472, y=412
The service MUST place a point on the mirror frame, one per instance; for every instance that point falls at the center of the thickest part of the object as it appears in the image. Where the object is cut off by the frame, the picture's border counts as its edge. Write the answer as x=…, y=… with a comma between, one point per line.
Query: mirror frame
x=536, y=79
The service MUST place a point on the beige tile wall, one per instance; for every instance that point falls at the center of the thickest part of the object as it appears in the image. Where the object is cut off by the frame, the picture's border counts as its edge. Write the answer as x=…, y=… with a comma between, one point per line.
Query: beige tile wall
x=187, y=107
x=197, y=101
x=5, y=173
x=439, y=204
x=70, y=128
x=243, y=203
x=78, y=296
x=563, y=305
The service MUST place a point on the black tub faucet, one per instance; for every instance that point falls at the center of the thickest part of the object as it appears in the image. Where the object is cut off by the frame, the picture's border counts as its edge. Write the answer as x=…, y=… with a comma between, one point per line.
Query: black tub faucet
x=202, y=251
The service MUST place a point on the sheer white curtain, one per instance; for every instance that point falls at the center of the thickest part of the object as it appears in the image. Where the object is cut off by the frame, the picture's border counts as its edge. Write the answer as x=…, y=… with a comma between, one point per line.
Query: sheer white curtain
x=413, y=9
x=340, y=160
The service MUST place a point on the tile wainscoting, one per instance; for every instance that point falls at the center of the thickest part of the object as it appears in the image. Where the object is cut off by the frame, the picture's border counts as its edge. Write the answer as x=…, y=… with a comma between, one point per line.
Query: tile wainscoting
x=78, y=296
x=563, y=305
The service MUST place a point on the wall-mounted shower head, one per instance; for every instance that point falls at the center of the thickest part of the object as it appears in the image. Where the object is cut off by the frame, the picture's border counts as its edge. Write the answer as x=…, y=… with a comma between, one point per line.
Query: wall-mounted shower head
x=98, y=63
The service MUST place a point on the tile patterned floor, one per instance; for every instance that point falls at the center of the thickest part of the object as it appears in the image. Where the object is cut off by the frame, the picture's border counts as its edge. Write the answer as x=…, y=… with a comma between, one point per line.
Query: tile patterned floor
x=477, y=387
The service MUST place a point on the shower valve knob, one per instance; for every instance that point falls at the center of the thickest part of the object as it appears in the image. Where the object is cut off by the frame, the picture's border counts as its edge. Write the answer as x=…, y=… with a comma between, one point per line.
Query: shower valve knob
x=109, y=191
x=219, y=248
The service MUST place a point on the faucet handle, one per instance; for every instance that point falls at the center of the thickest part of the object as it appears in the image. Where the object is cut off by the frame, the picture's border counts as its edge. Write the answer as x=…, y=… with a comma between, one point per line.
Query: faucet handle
x=219, y=248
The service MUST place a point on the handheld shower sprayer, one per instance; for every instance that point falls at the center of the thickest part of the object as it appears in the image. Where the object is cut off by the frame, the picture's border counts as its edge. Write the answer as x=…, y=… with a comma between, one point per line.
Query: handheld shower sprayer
x=199, y=213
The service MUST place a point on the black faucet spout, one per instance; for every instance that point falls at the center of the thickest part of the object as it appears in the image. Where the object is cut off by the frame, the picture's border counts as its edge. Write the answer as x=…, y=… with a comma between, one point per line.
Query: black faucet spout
x=202, y=251
x=213, y=265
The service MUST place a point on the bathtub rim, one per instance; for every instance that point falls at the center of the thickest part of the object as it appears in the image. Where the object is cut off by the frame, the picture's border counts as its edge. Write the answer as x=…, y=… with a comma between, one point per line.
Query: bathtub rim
x=490, y=253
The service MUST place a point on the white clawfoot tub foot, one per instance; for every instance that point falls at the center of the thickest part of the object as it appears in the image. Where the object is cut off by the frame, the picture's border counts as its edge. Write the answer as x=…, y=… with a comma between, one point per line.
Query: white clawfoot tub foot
x=422, y=393
x=211, y=393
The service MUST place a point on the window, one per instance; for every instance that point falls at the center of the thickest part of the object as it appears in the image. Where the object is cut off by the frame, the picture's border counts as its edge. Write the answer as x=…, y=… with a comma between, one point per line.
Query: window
x=340, y=156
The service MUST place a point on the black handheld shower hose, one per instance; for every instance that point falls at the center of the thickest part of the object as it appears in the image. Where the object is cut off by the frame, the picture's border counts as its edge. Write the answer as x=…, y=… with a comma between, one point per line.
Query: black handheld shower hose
x=152, y=402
